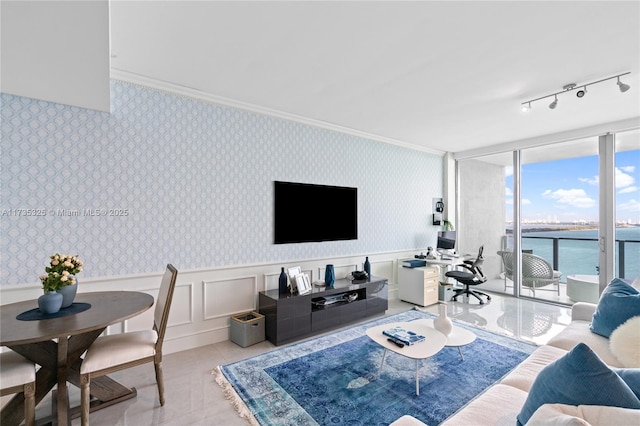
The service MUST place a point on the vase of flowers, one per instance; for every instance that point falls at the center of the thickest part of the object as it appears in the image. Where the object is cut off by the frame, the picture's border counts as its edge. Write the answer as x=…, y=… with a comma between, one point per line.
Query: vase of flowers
x=61, y=278
x=50, y=302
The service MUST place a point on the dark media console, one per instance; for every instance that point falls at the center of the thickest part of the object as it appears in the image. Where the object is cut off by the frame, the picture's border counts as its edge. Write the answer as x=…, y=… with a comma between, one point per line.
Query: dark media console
x=291, y=317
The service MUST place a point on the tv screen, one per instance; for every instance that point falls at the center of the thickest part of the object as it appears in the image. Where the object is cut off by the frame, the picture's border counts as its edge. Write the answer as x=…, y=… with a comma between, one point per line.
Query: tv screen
x=310, y=213
x=446, y=240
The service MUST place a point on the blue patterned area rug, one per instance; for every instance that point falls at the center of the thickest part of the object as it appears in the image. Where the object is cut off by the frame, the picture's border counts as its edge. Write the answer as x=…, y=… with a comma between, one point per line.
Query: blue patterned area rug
x=332, y=380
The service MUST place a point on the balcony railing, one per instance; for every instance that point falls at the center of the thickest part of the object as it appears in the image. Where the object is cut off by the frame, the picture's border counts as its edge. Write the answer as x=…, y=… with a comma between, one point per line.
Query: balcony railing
x=624, y=247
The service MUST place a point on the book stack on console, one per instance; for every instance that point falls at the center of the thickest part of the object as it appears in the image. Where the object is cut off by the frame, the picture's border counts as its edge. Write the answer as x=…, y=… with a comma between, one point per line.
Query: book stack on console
x=414, y=263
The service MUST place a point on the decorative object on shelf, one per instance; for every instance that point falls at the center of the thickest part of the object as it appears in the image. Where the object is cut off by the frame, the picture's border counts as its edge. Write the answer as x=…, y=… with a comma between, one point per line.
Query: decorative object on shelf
x=442, y=323
x=50, y=302
x=448, y=226
x=61, y=277
x=303, y=285
x=329, y=276
x=293, y=272
x=283, y=288
x=367, y=266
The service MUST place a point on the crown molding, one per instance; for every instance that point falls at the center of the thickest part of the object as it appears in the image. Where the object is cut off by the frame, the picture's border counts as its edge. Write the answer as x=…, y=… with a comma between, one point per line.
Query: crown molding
x=187, y=92
x=566, y=136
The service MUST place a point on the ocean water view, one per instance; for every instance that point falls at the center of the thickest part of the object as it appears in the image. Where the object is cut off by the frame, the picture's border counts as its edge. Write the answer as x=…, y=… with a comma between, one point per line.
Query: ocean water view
x=578, y=249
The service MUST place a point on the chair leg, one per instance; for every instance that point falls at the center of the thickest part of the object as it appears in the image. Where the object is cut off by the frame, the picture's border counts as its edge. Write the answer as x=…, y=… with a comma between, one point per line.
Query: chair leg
x=85, y=396
x=30, y=404
x=159, y=380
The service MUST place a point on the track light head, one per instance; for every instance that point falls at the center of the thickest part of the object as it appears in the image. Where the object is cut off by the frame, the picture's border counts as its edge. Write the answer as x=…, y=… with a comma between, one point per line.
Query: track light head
x=526, y=107
x=554, y=104
x=581, y=92
x=623, y=87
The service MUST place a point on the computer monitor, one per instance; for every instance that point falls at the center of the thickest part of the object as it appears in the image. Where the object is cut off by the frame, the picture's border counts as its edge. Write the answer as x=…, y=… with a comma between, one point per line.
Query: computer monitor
x=446, y=241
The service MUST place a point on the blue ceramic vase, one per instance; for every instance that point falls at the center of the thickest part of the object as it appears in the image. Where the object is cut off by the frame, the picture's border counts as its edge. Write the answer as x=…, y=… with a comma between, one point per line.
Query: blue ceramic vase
x=367, y=267
x=50, y=302
x=329, y=276
x=68, y=294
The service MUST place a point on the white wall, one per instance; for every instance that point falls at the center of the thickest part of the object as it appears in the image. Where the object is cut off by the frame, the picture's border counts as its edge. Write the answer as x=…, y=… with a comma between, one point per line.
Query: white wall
x=482, y=209
x=56, y=51
x=196, y=183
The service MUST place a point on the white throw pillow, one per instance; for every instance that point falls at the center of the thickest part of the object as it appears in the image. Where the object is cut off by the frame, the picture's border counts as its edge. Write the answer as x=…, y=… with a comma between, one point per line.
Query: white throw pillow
x=625, y=343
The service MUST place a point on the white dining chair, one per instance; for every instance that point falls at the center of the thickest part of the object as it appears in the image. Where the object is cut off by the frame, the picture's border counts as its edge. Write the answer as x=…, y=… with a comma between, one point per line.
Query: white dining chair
x=121, y=351
x=18, y=374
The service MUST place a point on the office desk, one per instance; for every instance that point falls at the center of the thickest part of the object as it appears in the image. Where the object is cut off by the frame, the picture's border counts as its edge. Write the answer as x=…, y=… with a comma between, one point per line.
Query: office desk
x=56, y=344
x=449, y=263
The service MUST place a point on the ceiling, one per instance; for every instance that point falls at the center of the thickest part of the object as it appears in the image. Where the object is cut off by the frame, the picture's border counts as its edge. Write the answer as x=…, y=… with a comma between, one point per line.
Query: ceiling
x=439, y=76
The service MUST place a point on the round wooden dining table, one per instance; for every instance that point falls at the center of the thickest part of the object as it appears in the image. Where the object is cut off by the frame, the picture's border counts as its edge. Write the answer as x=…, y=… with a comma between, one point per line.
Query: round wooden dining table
x=57, y=344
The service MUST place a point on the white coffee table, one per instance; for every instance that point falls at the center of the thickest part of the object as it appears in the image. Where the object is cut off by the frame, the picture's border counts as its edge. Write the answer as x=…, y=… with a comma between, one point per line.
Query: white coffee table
x=434, y=342
x=458, y=337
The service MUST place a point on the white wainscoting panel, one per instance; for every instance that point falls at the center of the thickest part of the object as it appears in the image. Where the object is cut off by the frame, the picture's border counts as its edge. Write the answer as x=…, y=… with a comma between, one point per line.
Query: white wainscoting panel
x=205, y=299
x=225, y=297
x=182, y=305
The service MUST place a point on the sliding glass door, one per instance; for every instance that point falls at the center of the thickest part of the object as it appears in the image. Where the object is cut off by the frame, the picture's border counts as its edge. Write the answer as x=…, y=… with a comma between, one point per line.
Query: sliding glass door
x=559, y=219
x=569, y=207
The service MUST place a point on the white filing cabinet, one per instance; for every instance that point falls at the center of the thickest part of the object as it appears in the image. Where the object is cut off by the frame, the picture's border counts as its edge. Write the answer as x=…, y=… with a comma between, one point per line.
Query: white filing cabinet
x=418, y=285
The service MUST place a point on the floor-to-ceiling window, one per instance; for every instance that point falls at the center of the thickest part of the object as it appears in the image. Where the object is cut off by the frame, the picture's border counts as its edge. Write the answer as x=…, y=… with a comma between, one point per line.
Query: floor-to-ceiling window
x=559, y=217
x=555, y=197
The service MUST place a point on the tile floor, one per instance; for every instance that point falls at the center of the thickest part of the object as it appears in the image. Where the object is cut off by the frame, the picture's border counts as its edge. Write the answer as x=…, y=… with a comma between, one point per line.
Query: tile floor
x=193, y=397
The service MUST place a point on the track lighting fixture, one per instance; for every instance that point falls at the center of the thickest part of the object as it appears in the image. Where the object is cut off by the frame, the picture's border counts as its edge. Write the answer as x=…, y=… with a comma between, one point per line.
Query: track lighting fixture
x=623, y=87
x=581, y=91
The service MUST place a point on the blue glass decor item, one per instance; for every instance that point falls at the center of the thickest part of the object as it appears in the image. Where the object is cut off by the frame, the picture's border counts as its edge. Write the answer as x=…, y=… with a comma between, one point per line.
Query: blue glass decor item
x=329, y=276
x=367, y=267
x=282, y=283
x=50, y=302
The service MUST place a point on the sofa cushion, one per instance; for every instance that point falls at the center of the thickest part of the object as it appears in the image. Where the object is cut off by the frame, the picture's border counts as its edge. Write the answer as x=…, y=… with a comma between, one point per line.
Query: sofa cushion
x=523, y=376
x=583, y=415
x=498, y=406
x=578, y=378
x=619, y=302
x=625, y=343
x=578, y=331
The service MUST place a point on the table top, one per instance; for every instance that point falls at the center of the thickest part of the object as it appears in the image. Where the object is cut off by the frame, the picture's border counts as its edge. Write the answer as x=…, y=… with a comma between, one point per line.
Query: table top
x=433, y=343
x=107, y=307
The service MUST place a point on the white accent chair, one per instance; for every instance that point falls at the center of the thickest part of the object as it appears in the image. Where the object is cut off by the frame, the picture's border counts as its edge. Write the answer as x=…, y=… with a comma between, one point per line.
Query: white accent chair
x=18, y=374
x=536, y=271
x=121, y=351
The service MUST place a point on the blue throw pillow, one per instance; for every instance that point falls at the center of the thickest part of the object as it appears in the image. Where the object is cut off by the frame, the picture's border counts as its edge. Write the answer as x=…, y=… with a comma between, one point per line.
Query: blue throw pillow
x=580, y=377
x=618, y=303
x=631, y=377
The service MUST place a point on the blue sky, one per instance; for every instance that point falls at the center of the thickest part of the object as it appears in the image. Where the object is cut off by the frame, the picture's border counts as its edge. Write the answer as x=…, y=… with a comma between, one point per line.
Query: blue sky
x=567, y=190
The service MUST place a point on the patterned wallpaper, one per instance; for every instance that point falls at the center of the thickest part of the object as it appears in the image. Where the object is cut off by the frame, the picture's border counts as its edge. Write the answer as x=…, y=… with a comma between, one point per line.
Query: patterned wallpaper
x=165, y=178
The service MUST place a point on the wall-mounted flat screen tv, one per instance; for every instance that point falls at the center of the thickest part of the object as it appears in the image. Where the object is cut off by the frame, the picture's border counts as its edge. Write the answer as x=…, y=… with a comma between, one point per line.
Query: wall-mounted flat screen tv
x=310, y=213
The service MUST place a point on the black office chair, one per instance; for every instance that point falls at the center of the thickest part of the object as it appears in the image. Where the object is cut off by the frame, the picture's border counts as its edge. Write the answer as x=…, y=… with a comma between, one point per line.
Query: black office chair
x=471, y=278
